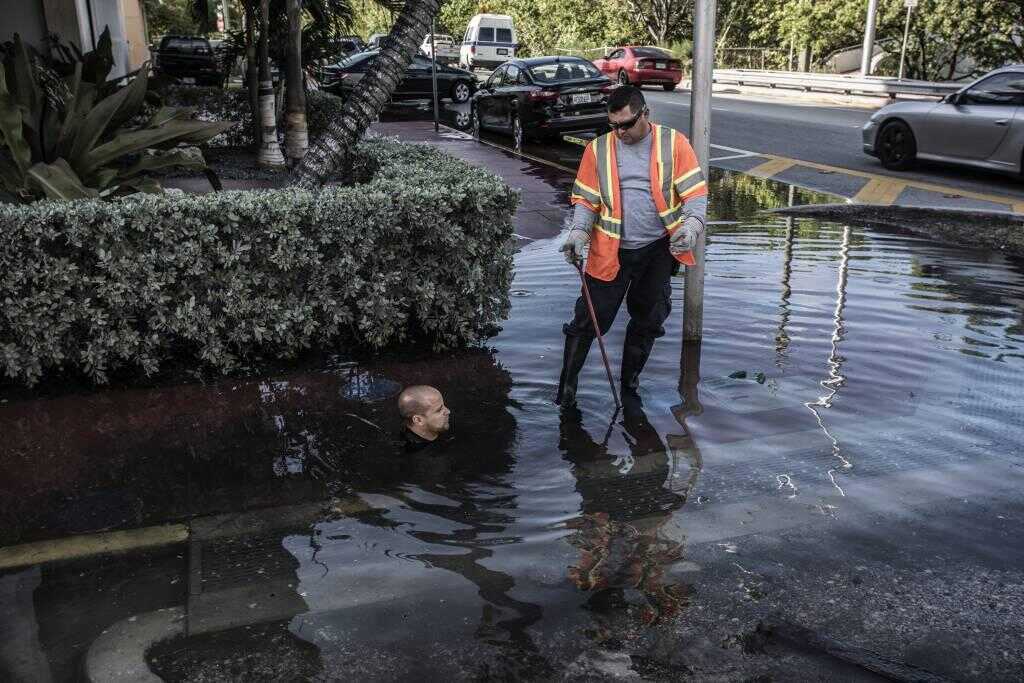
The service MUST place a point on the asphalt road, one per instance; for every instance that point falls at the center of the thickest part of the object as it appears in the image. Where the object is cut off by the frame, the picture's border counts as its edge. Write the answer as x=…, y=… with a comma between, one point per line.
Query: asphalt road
x=818, y=133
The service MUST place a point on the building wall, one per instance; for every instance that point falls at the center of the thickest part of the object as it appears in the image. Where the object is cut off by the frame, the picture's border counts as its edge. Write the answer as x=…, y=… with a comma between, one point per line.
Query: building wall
x=135, y=32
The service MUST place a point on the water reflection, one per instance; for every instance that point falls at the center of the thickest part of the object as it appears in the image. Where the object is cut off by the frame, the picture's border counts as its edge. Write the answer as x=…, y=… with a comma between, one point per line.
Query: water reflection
x=834, y=364
x=627, y=535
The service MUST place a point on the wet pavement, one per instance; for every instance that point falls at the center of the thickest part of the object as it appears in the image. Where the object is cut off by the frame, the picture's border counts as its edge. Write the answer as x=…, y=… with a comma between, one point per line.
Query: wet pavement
x=828, y=488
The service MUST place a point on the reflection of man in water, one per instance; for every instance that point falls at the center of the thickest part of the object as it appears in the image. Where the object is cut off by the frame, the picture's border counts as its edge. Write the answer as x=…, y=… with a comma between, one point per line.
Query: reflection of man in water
x=626, y=534
x=425, y=414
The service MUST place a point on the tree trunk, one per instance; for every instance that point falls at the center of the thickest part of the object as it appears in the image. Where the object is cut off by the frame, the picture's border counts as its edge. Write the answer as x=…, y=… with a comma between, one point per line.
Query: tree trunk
x=330, y=151
x=252, y=77
x=270, y=150
x=296, y=135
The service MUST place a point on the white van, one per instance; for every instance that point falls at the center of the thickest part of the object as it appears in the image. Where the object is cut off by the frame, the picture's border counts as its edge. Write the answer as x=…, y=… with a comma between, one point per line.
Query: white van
x=490, y=41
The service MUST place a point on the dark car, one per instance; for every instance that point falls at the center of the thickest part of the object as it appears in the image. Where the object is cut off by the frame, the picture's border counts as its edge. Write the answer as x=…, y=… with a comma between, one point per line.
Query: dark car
x=543, y=97
x=188, y=58
x=642, y=66
x=455, y=83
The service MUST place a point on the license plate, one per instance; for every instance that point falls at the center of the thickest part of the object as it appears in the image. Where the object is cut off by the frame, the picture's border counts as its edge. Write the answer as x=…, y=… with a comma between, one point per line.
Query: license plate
x=502, y=51
x=661, y=65
x=581, y=99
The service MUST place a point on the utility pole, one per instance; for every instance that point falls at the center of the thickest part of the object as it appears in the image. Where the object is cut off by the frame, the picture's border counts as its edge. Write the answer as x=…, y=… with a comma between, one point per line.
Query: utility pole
x=869, y=39
x=227, y=17
x=700, y=139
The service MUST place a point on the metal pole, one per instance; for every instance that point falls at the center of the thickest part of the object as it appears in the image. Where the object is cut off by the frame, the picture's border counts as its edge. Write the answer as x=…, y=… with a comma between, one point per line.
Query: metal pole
x=700, y=138
x=906, y=37
x=227, y=17
x=433, y=72
x=597, y=331
x=869, y=39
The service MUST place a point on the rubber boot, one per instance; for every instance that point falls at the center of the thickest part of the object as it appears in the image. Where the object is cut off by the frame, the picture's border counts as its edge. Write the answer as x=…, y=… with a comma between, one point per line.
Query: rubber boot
x=634, y=356
x=575, y=355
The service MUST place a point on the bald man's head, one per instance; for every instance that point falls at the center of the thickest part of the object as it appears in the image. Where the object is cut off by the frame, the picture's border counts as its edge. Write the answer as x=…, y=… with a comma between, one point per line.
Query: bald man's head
x=423, y=409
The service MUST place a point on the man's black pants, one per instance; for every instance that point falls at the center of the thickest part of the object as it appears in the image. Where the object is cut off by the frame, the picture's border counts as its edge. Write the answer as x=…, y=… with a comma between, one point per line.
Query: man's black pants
x=644, y=280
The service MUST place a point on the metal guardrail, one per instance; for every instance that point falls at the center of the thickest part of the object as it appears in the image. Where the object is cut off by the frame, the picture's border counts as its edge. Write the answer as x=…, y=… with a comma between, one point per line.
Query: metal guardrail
x=849, y=85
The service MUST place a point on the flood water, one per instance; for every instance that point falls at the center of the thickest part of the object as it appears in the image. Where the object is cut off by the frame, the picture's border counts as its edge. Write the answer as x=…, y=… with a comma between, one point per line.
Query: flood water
x=849, y=379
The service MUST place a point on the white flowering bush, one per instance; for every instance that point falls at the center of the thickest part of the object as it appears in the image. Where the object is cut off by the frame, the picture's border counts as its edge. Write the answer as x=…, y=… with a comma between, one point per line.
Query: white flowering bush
x=417, y=249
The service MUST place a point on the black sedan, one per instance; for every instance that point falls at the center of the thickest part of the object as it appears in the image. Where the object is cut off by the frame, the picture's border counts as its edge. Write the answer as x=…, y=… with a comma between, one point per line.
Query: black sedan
x=543, y=97
x=455, y=83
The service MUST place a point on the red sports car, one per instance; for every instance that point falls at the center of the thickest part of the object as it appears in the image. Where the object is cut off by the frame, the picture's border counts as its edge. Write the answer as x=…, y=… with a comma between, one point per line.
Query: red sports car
x=642, y=66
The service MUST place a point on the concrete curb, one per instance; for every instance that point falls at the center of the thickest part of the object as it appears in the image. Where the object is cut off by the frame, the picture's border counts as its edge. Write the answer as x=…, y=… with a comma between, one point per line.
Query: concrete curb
x=120, y=653
x=999, y=230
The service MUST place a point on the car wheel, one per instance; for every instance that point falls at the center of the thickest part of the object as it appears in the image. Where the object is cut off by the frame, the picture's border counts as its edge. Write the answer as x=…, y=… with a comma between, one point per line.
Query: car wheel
x=462, y=120
x=517, y=132
x=669, y=87
x=897, y=148
x=475, y=123
x=461, y=91
x=623, y=77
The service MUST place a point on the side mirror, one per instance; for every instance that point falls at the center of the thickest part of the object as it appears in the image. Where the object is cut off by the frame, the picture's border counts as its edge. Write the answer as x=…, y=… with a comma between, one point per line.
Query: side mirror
x=953, y=98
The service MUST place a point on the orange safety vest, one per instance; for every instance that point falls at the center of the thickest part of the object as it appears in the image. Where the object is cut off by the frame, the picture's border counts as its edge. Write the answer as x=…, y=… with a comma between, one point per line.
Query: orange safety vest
x=675, y=177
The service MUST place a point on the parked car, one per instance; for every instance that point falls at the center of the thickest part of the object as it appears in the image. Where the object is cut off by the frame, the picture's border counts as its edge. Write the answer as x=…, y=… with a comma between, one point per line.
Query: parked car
x=642, y=66
x=490, y=41
x=447, y=53
x=981, y=125
x=543, y=97
x=455, y=83
x=190, y=59
x=375, y=40
x=347, y=45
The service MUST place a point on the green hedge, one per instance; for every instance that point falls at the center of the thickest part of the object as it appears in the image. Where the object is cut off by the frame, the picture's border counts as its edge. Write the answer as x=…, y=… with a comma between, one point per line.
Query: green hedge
x=218, y=104
x=418, y=248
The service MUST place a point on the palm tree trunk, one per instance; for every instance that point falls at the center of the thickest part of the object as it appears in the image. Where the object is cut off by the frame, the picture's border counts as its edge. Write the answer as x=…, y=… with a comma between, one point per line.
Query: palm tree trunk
x=252, y=76
x=270, y=150
x=296, y=135
x=330, y=151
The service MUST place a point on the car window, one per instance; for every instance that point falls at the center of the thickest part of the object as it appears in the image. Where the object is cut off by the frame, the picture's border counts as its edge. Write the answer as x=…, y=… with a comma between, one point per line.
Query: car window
x=566, y=70
x=618, y=54
x=495, y=78
x=468, y=36
x=485, y=34
x=504, y=35
x=656, y=52
x=511, y=75
x=1002, y=89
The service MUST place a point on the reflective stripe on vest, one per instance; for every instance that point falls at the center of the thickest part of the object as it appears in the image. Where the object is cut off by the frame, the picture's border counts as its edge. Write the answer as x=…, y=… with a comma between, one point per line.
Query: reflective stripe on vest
x=608, y=176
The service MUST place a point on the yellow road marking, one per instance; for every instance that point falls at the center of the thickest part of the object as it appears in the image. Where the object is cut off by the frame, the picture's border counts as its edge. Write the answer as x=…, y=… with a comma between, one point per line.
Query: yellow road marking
x=882, y=191
x=575, y=140
x=40, y=552
x=929, y=187
x=773, y=166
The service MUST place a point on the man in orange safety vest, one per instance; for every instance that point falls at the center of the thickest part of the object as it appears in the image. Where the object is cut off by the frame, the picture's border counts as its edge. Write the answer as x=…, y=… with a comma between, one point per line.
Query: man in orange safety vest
x=640, y=202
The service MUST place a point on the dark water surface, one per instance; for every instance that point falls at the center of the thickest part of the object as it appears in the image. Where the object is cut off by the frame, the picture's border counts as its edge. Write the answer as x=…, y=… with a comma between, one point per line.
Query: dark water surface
x=851, y=384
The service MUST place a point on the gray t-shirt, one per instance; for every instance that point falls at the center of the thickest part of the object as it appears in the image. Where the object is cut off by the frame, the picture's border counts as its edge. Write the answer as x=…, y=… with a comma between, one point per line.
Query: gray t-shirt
x=641, y=224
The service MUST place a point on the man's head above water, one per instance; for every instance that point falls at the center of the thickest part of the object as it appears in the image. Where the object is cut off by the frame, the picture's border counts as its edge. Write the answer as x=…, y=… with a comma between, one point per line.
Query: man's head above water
x=423, y=410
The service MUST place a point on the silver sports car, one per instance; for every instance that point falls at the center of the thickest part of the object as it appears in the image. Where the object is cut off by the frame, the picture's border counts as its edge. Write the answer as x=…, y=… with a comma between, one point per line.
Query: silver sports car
x=981, y=125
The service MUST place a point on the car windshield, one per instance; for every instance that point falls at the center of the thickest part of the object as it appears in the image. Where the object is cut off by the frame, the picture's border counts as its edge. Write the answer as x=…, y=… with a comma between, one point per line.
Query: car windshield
x=563, y=71
x=356, y=59
x=656, y=52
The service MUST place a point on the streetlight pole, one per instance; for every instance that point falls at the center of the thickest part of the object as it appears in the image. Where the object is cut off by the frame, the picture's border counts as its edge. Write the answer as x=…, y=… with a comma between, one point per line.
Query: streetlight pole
x=869, y=39
x=906, y=35
x=433, y=72
x=700, y=139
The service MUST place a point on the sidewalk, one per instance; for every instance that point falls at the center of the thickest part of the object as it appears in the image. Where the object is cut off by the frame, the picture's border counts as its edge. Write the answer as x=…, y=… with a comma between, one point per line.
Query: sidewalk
x=545, y=190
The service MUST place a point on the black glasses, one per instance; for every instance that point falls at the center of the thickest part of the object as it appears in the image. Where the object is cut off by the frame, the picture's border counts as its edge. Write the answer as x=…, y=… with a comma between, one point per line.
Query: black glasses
x=625, y=125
